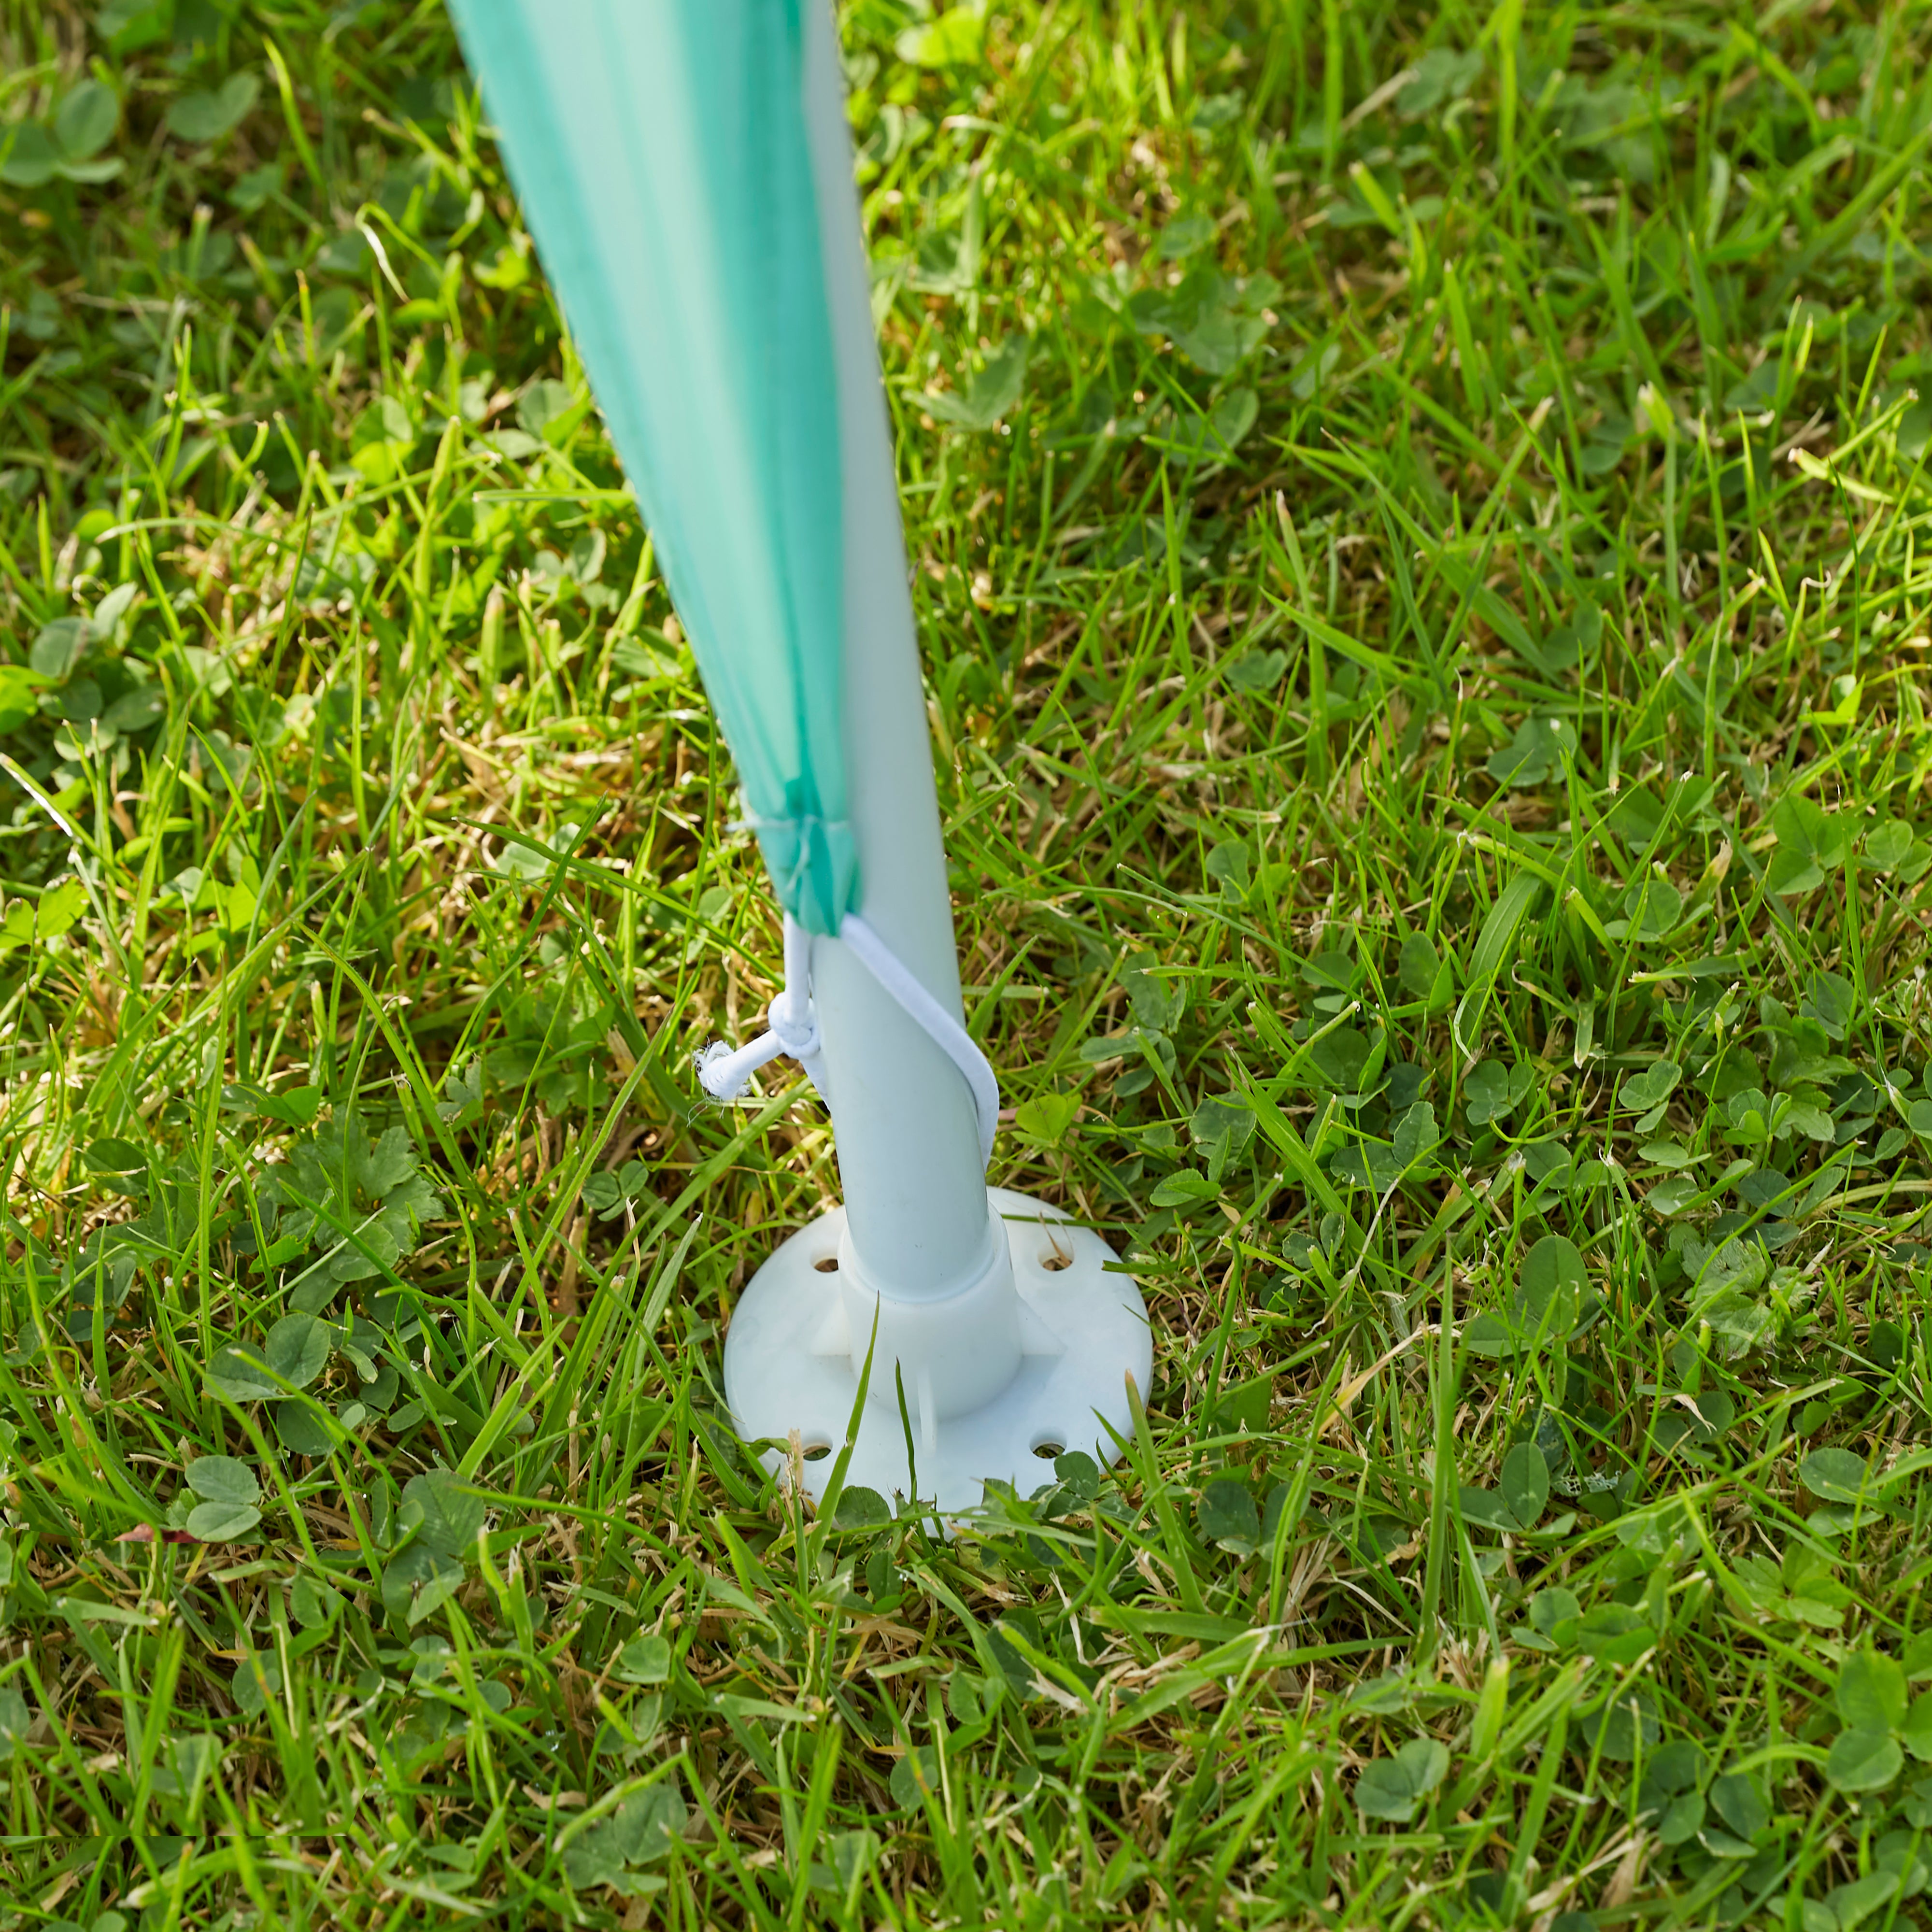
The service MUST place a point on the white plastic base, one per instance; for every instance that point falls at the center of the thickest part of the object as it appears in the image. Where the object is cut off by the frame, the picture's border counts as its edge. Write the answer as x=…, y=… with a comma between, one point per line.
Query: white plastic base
x=1082, y=1331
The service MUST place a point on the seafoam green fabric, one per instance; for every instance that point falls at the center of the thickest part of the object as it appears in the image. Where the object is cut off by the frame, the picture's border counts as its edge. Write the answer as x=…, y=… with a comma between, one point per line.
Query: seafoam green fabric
x=659, y=147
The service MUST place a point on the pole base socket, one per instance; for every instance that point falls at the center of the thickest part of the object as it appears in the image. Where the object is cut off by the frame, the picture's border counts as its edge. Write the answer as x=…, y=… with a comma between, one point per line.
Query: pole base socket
x=789, y=1367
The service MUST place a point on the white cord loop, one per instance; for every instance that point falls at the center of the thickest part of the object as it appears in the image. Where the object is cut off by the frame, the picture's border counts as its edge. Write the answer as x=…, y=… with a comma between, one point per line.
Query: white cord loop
x=792, y=1027
x=952, y=1038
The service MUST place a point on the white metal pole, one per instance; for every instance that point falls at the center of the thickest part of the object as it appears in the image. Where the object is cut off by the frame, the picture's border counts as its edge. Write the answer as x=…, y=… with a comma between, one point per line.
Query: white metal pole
x=917, y=1219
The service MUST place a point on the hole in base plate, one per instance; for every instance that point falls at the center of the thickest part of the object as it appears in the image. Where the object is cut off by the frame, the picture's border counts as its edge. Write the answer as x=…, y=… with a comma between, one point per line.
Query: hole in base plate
x=826, y=1264
x=1047, y=1447
x=1055, y=1258
x=817, y=1450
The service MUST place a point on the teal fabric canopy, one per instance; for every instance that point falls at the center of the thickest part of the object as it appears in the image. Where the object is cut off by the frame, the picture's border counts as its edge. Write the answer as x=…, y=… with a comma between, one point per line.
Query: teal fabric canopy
x=659, y=147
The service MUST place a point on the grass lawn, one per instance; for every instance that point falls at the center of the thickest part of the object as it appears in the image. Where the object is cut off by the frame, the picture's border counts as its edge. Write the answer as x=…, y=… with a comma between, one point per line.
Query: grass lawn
x=1414, y=516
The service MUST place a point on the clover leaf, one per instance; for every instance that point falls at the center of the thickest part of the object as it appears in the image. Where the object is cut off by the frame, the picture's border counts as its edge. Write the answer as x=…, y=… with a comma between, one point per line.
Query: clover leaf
x=33, y=152
x=1522, y=1493
x=1546, y=1306
x=1492, y=1094
x=1229, y=1517
x=1811, y=842
x=1871, y=1696
x=1392, y=1787
x=1535, y=754
x=206, y=117
x=229, y=1492
x=362, y=1202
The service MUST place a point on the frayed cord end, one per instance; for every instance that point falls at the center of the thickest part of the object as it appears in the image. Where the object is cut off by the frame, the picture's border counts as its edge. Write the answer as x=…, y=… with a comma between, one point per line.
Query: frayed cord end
x=722, y=1072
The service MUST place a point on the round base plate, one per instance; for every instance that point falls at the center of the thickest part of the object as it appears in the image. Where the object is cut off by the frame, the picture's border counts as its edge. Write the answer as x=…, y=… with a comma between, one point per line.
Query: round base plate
x=1084, y=1331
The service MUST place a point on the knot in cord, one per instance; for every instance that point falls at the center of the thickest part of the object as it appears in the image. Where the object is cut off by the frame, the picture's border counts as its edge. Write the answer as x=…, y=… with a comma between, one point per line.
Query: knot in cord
x=791, y=1030
x=797, y=1039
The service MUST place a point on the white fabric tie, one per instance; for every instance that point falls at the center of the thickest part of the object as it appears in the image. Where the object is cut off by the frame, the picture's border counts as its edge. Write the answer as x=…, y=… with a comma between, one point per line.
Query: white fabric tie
x=792, y=1027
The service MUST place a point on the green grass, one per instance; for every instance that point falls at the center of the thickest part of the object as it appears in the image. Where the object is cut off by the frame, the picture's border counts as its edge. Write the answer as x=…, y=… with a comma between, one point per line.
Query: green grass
x=1415, y=516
